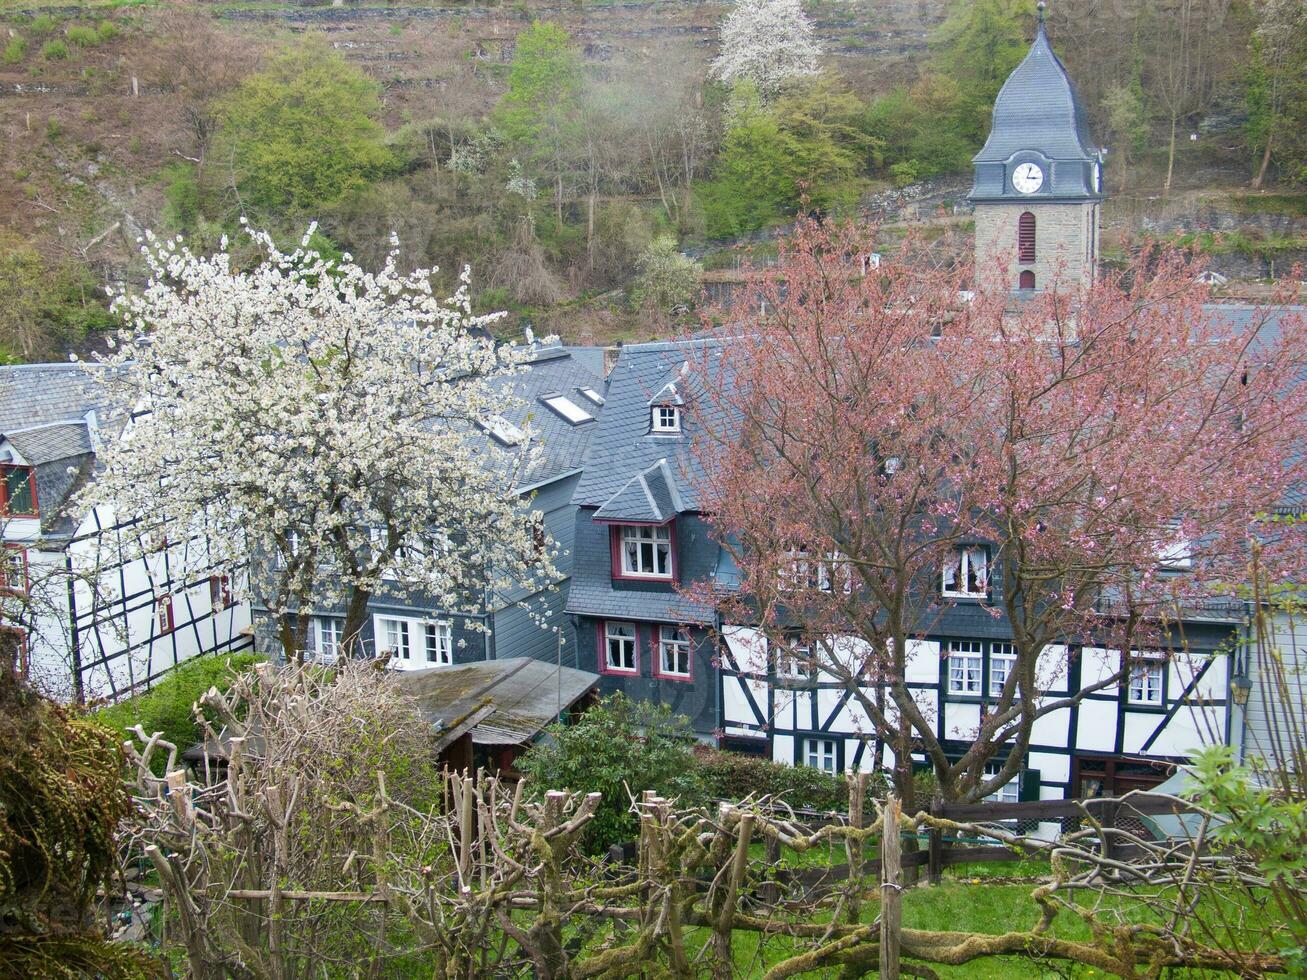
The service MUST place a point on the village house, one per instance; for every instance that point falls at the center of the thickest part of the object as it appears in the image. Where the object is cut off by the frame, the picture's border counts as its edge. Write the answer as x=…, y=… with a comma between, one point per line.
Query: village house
x=96, y=623
x=560, y=398
x=640, y=537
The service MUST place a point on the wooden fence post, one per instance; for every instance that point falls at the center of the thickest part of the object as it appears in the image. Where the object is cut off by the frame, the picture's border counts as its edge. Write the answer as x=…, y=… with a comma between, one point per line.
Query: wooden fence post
x=936, y=855
x=891, y=892
x=856, y=849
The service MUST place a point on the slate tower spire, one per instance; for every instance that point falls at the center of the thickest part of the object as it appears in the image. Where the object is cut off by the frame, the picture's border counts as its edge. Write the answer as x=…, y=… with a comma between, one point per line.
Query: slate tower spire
x=1038, y=180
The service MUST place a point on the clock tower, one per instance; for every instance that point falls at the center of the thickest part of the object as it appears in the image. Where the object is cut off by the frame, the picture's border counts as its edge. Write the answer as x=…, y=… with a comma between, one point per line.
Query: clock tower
x=1038, y=181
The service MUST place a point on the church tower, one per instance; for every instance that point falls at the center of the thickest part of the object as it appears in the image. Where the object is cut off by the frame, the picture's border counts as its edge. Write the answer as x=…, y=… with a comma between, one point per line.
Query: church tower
x=1038, y=181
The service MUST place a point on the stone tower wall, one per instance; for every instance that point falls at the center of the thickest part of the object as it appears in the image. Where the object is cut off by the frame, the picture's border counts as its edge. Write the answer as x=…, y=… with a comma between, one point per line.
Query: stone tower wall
x=1066, y=243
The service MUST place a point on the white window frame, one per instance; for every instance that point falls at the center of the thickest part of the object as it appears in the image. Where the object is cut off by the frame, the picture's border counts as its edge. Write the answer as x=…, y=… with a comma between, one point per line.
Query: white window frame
x=665, y=419
x=960, y=571
x=1000, y=653
x=675, y=641
x=611, y=637
x=795, y=659
x=443, y=633
x=820, y=753
x=1149, y=668
x=966, y=668
x=293, y=540
x=1009, y=792
x=644, y=536
x=388, y=635
x=328, y=636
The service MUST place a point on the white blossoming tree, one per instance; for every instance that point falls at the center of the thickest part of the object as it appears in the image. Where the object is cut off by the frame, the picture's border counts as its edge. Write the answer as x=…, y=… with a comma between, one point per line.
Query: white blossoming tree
x=766, y=42
x=323, y=421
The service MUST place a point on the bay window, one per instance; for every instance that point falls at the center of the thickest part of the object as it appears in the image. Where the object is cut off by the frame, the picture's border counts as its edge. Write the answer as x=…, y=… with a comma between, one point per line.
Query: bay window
x=438, y=642
x=394, y=637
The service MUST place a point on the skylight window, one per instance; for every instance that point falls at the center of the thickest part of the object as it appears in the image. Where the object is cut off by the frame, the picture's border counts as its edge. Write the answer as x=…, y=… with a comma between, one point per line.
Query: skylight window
x=593, y=395
x=567, y=408
x=504, y=431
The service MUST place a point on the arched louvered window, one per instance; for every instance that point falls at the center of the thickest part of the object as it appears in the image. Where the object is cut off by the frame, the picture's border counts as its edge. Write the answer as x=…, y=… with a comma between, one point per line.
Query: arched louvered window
x=1026, y=238
x=1027, y=280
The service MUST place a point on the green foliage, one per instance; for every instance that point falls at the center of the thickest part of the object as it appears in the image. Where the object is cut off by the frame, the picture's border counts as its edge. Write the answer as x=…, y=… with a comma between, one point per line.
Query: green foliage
x=181, y=191
x=44, y=24
x=303, y=133
x=976, y=47
x=61, y=803
x=167, y=707
x=54, y=50
x=15, y=50
x=45, y=305
x=1268, y=826
x=618, y=747
x=107, y=30
x=923, y=130
x=667, y=278
x=82, y=36
x=733, y=776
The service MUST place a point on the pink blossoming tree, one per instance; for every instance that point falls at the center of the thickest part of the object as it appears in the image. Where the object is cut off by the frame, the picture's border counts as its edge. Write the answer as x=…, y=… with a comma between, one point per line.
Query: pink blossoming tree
x=1088, y=468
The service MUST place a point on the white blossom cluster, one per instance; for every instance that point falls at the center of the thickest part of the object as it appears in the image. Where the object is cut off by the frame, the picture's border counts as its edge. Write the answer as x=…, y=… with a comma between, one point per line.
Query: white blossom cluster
x=766, y=42
x=323, y=420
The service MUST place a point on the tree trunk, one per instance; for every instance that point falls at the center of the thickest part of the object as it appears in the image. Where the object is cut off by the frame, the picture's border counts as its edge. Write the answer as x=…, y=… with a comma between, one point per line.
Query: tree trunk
x=356, y=614
x=1266, y=163
x=1170, y=158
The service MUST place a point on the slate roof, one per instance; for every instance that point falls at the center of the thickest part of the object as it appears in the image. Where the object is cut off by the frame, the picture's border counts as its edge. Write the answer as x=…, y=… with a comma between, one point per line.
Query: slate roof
x=651, y=496
x=43, y=410
x=524, y=695
x=556, y=370
x=1037, y=109
x=47, y=443
x=623, y=445
x=38, y=394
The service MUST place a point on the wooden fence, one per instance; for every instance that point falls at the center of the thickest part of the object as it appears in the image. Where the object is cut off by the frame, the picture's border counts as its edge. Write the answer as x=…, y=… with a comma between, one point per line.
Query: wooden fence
x=940, y=851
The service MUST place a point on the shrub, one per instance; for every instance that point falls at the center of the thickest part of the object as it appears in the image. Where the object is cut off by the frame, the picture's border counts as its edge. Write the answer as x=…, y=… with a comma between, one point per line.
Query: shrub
x=167, y=707
x=54, y=51
x=15, y=50
x=618, y=748
x=733, y=776
x=107, y=30
x=82, y=36
x=45, y=24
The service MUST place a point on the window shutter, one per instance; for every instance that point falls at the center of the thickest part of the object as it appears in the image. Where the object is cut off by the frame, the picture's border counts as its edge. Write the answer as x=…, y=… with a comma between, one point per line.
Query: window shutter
x=1029, y=788
x=1026, y=238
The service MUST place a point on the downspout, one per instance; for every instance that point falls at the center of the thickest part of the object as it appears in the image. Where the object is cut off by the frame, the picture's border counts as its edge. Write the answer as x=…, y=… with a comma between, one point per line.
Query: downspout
x=74, y=644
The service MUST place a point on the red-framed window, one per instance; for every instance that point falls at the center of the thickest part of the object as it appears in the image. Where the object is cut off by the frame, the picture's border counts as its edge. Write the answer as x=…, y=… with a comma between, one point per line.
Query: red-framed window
x=220, y=594
x=163, y=614
x=644, y=552
x=673, y=653
x=619, y=648
x=1026, y=238
x=17, y=491
x=13, y=570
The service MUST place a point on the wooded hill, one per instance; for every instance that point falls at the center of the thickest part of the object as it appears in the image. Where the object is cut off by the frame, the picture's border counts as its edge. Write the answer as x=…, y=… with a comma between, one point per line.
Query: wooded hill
x=568, y=153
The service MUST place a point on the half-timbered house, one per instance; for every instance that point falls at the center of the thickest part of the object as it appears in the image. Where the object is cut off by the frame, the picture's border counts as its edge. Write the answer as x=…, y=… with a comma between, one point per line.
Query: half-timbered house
x=96, y=622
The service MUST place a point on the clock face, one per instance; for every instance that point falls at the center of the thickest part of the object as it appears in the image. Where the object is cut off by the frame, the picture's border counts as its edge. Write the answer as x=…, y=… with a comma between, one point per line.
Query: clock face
x=1028, y=178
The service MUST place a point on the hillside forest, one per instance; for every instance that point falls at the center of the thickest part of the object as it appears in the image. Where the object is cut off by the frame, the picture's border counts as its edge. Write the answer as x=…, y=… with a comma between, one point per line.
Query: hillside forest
x=596, y=163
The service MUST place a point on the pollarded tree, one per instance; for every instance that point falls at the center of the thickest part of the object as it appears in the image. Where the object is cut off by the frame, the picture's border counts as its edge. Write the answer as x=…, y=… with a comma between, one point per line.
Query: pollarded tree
x=768, y=43
x=880, y=445
x=323, y=419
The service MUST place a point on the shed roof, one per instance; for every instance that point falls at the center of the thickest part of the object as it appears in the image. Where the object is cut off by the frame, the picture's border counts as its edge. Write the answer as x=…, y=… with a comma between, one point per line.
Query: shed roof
x=524, y=696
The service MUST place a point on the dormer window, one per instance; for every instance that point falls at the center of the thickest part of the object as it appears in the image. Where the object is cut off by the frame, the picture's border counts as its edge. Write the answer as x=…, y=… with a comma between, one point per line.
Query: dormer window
x=665, y=419
x=966, y=573
x=642, y=551
x=17, y=491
